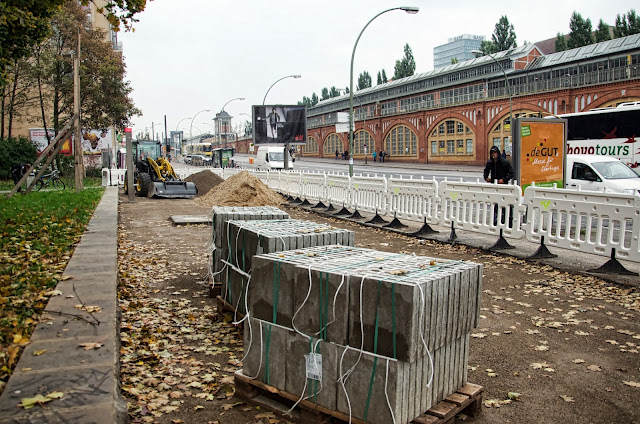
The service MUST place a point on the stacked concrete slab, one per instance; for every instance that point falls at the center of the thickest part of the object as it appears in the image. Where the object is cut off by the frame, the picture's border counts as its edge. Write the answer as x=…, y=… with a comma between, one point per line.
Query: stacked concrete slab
x=223, y=214
x=242, y=240
x=393, y=328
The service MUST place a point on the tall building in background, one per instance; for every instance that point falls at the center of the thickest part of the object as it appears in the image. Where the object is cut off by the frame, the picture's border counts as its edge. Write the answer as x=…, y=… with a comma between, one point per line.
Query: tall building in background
x=458, y=48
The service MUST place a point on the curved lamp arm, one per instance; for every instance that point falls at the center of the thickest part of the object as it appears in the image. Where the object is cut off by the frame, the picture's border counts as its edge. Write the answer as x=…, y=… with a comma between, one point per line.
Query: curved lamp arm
x=288, y=76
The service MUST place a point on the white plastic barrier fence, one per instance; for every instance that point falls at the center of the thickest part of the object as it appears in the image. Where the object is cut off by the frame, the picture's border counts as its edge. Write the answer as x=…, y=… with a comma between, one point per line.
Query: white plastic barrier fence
x=290, y=183
x=314, y=187
x=113, y=176
x=413, y=199
x=263, y=176
x=368, y=194
x=339, y=190
x=584, y=221
x=482, y=207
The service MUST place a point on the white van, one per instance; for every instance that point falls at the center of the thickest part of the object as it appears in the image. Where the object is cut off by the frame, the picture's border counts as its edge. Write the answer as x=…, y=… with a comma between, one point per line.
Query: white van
x=596, y=172
x=271, y=157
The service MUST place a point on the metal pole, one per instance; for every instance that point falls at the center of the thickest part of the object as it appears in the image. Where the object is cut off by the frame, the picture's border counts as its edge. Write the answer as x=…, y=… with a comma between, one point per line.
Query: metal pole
x=351, y=120
x=286, y=146
x=79, y=164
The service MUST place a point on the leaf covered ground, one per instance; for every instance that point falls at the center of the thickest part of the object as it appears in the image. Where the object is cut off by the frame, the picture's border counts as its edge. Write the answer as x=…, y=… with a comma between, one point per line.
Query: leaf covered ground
x=551, y=346
x=38, y=234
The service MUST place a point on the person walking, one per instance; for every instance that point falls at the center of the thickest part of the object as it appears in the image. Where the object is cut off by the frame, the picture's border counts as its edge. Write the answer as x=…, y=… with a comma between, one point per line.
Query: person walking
x=337, y=153
x=498, y=170
x=381, y=156
x=17, y=172
x=374, y=154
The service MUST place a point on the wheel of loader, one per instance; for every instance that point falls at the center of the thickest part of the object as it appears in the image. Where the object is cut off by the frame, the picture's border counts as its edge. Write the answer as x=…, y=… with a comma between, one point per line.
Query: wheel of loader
x=143, y=183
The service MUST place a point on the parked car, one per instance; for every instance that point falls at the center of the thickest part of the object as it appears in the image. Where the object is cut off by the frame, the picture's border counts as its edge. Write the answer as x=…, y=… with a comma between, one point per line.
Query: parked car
x=596, y=172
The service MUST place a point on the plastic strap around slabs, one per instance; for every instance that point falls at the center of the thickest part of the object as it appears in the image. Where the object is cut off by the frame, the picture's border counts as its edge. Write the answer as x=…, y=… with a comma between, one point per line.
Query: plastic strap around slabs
x=324, y=304
x=276, y=290
x=375, y=350
x=244, y=268
x=313, y=393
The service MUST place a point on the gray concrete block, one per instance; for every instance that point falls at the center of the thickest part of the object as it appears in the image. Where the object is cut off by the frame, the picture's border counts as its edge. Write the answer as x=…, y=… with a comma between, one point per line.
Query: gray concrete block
x=265, y=347
x=363, y=394
x=271, y=290
x=322, y=392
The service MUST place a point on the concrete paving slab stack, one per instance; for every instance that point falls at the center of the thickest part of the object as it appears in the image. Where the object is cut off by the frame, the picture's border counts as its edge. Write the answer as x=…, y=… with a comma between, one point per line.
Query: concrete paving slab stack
x=393, y=329
x=242, y=240
x=222, y=214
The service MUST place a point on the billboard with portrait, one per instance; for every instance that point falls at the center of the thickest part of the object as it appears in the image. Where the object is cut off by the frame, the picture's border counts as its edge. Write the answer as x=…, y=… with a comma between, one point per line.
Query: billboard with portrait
x=39, y=138
x=279, y=124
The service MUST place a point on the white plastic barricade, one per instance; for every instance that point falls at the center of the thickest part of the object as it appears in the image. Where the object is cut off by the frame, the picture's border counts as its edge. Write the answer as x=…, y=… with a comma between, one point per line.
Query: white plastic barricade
x=290, y=183
x=413, y=199
x=482, y=207
x=369, y=193
x=584, y=221
x=339, y=190
x=112, y=177
x=314, y=187
x=262, y=176
x=228, y=172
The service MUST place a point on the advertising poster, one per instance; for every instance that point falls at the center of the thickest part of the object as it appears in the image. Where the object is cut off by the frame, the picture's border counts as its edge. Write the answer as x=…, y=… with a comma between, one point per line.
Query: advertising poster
x=38, y=136
x=94, y=141
x=278, y=124
x=539, y=152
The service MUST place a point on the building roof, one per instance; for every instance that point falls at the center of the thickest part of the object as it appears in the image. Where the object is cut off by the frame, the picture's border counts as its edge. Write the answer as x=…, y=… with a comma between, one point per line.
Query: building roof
x=554, y=59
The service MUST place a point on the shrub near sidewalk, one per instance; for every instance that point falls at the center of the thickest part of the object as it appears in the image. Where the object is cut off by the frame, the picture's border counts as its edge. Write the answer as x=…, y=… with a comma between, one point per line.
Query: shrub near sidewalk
x=38, y=233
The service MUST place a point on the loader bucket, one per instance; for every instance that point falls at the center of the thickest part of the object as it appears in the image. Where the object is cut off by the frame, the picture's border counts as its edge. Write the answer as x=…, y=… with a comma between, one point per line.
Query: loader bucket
x=173, y=189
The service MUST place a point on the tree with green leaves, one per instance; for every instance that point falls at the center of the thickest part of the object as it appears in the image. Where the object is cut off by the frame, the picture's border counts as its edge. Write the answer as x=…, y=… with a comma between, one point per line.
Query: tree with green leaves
x=580, y=31
x=324, y=94
x=25, y=23
x=333, y=92
x=487, y=47
x=454, y=60
x=602, y=32
x=384, y=76
x=105, y=100
x=504, y=36
x=406, y=66
x=627, y=24
x=314, y=99
x=561, y=43
x=379, y=81
x=364, y=81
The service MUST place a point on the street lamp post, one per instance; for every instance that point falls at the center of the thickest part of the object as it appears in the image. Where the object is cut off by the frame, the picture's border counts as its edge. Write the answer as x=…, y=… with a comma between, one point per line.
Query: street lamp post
x=506, y=82
x=180, y=138
x=286, y=146
x=277, y=81
x=217, y=133
x=194, y=117
x=408, y=9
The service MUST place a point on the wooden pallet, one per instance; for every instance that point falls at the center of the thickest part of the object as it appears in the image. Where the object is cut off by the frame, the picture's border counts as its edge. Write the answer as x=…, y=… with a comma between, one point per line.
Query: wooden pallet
x=467, y=400
x=224, y=306
x=215, y=290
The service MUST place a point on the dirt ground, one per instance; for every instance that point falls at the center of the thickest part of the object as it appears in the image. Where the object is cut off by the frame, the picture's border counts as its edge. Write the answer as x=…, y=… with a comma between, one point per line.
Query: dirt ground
x=563, y=347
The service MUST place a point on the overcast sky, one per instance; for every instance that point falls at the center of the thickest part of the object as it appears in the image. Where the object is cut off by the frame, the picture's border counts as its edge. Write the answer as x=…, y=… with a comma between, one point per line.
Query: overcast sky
x=186, y=56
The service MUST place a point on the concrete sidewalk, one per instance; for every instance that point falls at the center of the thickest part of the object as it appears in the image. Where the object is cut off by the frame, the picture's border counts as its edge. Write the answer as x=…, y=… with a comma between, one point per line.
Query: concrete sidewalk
x=55, y=361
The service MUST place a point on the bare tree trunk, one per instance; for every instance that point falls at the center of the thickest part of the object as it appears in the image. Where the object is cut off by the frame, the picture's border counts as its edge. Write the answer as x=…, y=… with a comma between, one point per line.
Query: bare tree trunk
x=12, y=101
x=2, y=113
x=44, y=118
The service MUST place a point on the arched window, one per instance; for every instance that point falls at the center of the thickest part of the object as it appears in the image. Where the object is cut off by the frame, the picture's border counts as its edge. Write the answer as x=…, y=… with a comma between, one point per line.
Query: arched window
x=500, y=134
x=452, y=137
x=359, y=139
x=331, y=144
x=311, y=148
x=401, y=141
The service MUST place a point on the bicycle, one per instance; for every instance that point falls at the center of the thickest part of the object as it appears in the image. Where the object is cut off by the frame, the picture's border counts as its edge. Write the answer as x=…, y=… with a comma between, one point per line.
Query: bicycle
x=53, y=179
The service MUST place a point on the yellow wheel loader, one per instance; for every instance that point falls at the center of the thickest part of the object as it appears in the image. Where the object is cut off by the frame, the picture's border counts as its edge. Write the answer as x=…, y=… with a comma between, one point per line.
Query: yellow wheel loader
x=154, y=176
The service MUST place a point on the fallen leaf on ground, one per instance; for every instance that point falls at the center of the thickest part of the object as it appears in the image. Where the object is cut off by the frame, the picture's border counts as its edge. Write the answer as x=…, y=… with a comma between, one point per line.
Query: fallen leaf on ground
x=632, y=383
x=594, y=368
x=89, y=346
x=567, y=398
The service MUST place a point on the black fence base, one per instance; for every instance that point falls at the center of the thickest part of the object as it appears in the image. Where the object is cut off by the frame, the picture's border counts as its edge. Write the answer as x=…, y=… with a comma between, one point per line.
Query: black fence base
x=500, y=244
x=305, y=203
x=613, y=266
x=395, y=224
x=377, y=219
x=452, y=235
x=343, y=211
x=319, y=205
x=425, y=230
x=356, y=215
x=330, y=208
x=542, y=252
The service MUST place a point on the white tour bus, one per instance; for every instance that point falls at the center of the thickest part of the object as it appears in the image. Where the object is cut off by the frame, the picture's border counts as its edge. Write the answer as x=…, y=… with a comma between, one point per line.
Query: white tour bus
x=612, y=131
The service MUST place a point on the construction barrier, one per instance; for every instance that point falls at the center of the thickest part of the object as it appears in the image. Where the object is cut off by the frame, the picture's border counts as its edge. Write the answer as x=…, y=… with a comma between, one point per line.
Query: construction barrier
x=413, y=199
x=369, y=193
x=584, y=221
x=482, y=207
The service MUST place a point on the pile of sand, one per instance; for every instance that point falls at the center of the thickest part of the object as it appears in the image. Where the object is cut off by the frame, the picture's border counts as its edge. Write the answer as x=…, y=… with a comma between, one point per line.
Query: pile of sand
x=204, y=181
x=242, y=189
